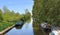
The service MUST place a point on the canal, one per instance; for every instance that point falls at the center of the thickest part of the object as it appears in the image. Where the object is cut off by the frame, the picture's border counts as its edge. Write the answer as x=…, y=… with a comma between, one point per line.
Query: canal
x=26, y=29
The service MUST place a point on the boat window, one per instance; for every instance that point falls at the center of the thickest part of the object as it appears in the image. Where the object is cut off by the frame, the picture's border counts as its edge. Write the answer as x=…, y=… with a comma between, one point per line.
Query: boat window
x=52, y=33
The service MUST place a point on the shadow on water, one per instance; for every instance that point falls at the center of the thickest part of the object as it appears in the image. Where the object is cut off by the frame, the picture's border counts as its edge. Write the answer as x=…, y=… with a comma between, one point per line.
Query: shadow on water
x=26, y=29
x=38, y=31
x=18, y=27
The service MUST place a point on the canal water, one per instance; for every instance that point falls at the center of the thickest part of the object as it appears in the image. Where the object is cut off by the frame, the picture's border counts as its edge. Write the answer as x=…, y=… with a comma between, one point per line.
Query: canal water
x=26, y=29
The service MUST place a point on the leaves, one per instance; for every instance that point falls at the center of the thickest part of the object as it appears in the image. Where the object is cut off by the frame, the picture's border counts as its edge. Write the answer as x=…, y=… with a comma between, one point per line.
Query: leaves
x=46, y=10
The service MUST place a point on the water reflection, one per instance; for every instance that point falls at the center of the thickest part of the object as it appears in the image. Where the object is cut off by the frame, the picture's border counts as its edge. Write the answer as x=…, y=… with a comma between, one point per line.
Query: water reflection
x=18, y=27
x=26, y=29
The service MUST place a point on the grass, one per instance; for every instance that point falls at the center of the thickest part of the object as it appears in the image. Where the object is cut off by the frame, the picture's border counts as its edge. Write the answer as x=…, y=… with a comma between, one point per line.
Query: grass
x=4, y=25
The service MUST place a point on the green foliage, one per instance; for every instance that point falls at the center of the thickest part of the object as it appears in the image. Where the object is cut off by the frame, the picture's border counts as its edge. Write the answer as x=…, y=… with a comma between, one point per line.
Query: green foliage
x=7, y=15
x=8, y=18
x=47, y=10
x=27, y=15
x=1, y=18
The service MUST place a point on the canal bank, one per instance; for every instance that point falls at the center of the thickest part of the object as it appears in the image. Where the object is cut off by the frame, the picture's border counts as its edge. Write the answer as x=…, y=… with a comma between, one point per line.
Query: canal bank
x=7, y=29
x=37, y=29
x=26, y=29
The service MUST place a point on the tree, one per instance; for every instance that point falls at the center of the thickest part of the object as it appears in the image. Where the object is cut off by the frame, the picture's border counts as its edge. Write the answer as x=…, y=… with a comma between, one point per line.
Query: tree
x=10, y=15
x=46, y=10
x=1, y=18
x=27, y=15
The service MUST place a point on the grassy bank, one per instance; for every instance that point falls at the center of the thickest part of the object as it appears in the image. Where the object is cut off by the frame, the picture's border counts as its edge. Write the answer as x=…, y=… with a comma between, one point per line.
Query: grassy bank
x=4, y=25
x=37, y=29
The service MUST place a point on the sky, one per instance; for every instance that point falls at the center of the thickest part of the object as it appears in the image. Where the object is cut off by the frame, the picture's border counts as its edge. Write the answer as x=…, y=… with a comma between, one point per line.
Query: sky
x=17, y=5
